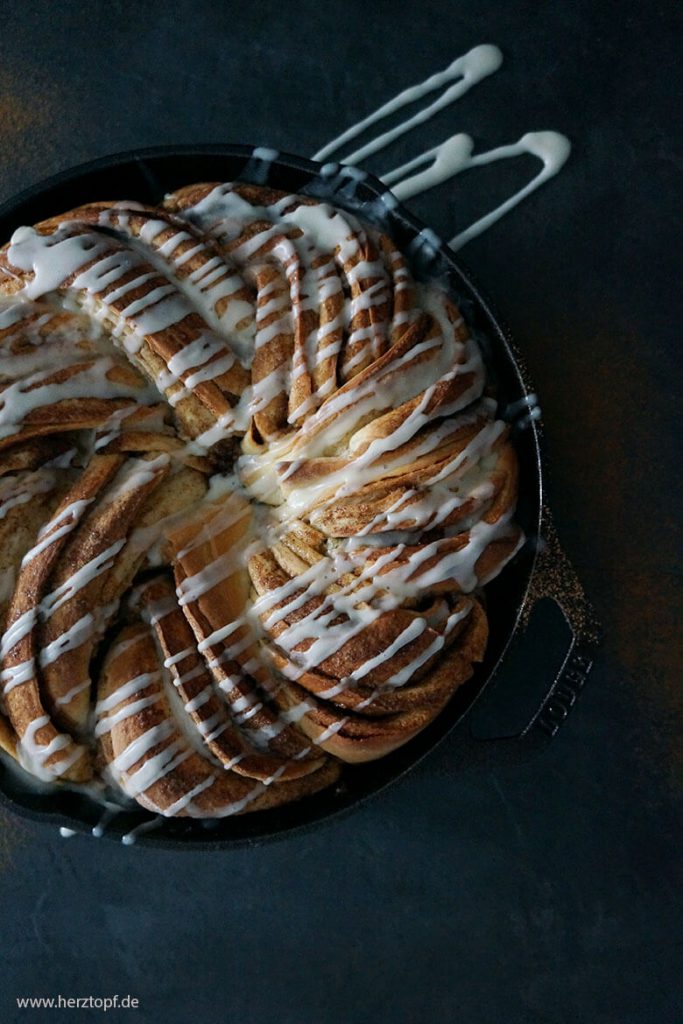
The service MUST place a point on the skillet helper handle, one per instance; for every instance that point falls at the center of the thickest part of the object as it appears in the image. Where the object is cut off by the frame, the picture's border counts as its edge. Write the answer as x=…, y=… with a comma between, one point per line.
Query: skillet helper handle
x=553, y=579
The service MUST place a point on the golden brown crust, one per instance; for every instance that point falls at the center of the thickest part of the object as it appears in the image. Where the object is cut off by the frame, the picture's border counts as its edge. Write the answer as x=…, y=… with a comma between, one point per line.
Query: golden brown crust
x=193, y=785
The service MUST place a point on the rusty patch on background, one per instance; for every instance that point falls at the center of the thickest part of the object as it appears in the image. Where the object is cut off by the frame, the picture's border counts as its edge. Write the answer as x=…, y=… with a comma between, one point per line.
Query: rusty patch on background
x=609, y=420
x=27, y=109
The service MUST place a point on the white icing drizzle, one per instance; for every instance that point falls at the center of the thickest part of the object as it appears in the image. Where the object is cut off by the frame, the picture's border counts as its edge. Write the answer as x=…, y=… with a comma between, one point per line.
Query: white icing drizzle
x=109, y=813
x=32, y=755
x=466, y=71
x=454, y=154
x=14, y=492
x=130, y=838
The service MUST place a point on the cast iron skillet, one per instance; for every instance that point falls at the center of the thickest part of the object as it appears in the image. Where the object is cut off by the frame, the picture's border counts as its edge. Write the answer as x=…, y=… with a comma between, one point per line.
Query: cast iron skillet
x=559, y=663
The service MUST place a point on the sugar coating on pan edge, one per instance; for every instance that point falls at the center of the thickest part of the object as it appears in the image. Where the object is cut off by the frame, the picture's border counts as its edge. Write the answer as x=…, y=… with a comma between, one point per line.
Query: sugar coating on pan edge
x=252, y=484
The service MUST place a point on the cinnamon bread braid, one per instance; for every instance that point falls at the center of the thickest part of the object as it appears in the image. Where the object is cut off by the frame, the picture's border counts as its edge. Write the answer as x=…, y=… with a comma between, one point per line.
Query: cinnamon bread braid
x=252, y=485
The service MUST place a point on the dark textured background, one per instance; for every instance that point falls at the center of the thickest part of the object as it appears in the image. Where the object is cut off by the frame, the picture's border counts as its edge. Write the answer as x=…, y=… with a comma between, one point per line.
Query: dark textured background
x=540, y=894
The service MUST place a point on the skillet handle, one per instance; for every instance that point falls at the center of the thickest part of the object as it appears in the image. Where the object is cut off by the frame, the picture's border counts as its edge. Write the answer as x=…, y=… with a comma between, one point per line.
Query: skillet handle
x=553, y=579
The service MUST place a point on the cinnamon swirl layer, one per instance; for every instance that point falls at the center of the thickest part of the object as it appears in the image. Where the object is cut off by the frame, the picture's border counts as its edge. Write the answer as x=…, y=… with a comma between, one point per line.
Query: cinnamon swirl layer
x=252, y=485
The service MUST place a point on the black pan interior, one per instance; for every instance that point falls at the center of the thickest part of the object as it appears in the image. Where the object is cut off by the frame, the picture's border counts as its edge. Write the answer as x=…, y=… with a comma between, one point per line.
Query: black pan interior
x=146, y=177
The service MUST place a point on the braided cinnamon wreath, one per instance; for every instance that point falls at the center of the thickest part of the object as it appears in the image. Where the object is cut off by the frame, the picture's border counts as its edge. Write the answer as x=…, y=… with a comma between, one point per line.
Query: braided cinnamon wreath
x=251, y=486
